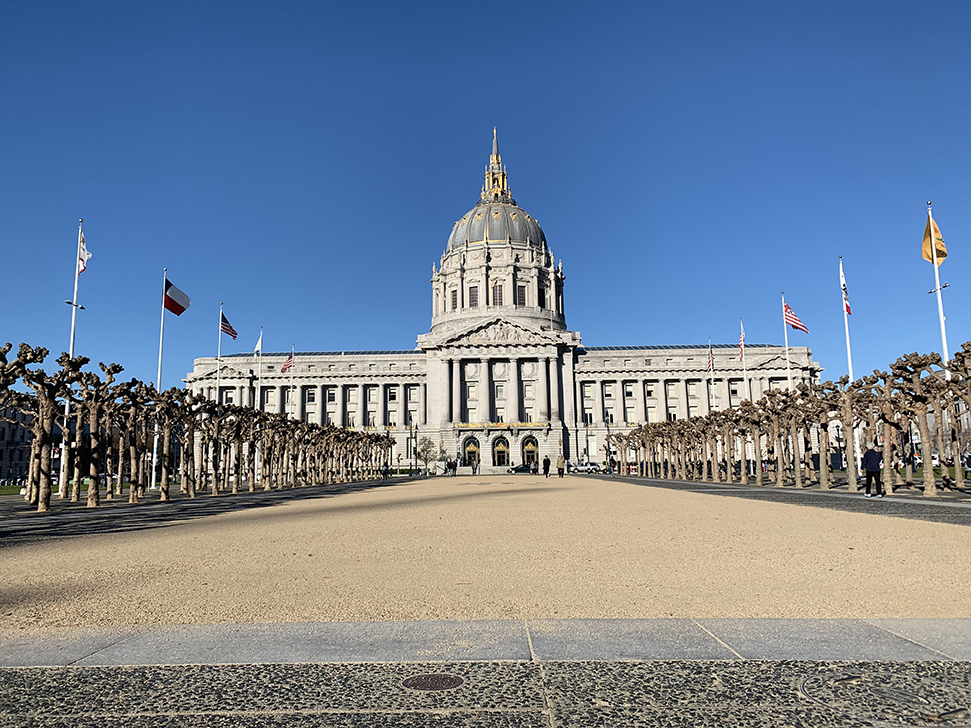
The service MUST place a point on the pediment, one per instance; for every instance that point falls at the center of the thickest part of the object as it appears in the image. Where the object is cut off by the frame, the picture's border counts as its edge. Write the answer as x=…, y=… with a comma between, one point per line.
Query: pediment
x=226, y=372
x=498, y=331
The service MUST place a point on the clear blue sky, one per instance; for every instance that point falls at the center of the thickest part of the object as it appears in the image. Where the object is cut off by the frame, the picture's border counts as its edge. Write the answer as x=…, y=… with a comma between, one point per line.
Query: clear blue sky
x=305, y=162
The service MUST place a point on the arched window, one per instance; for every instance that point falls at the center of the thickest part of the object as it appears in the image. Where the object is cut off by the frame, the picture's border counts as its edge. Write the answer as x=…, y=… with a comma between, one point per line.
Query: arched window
x=530, y=451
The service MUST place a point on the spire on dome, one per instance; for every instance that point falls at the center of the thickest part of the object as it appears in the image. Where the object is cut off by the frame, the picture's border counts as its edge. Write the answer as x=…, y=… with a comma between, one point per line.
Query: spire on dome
x=496, y=188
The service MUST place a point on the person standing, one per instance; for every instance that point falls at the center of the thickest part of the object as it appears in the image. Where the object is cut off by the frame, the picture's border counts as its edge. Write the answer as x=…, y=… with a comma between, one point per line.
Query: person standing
x=560, y=465
x=546, y=466
x=871, y=464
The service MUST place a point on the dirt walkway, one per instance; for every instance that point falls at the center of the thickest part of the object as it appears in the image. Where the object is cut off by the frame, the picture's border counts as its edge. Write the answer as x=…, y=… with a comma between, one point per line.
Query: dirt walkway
x=494, y=548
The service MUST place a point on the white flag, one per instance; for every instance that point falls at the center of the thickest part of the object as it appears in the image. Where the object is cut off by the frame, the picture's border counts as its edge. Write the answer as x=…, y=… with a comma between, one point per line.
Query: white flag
x=259, y=345
x=83, y=256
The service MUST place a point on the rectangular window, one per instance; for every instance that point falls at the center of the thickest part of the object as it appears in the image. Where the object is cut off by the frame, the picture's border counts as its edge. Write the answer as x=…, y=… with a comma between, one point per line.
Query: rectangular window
x=608, y=390
x=372, y=367
x=470, y=391
x=331, y=367
x=652, y=414
x=392, y=418
x=391, y=365
x=529, y=414
x=269, y=397
x=542, y=297
x=520, y=295
x=412, y=417
x=692, y=389
x=628, y=390
x=500, y=414
x=497, y=294
x=500, y=390
x=311, y=396
x=351, y=420
x=331, y=394
x=352, y=396
x=372, y=419
x=649, y=390
x=627, y=362
x=228, y=397
x=455, y=300
x=588, y=416
x=392, y=394
x=372, y=394
x=629, y=414
x=586, y=390
x=527, y=390
x=609, y=415
x=473, y=414
x=733, y=389
x=412, y=394
x=473, y=296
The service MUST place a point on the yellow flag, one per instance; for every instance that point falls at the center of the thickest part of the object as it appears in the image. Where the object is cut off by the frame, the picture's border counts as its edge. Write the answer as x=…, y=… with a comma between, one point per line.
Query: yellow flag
x=929, y=231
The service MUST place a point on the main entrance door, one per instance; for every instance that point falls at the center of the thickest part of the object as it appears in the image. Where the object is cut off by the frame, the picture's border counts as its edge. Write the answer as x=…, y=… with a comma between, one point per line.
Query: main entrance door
x=530, y=451
x=471, y=451
x=500, y=452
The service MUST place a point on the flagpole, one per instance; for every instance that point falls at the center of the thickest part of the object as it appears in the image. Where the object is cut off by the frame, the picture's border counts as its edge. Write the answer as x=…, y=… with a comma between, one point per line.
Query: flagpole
x=846, y=324
x=258, y=406
x=66, y=432
x=945, y=356
x=747, y=383
x=785, y=333
x=292, y=349
x=219, y=350
x=711, y=374
x=158, y=378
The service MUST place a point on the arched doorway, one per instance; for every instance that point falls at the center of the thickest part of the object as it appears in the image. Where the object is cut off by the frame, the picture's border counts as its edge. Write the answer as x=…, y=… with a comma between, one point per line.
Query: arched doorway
x=470, y=451
x=500, y=452
x=530, y=451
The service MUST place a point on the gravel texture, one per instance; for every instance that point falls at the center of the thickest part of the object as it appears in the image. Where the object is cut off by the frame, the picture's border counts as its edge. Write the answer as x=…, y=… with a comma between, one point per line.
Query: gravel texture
x=501, y=547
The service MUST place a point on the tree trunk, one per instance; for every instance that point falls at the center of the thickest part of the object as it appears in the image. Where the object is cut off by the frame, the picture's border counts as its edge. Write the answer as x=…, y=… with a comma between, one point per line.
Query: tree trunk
x=94, y=459
x=846, y=412
x=824, y=461
x=45, y=411
x=930, y=485
x=757, y=448
x=956, y=454
x=796, y=459
x=163, y=488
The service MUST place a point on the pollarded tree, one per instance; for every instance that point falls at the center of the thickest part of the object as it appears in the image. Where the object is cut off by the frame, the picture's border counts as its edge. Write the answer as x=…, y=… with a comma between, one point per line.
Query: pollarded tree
x=909, y=371
x=47, y=390
x=95, y=394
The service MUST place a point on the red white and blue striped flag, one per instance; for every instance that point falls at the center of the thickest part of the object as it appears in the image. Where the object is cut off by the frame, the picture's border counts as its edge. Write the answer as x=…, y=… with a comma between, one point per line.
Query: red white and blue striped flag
x=226, y=327
x=287, y=364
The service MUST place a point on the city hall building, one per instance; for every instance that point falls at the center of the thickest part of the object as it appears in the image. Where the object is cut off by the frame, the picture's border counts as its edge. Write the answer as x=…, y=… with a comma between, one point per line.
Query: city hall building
x=499, y=378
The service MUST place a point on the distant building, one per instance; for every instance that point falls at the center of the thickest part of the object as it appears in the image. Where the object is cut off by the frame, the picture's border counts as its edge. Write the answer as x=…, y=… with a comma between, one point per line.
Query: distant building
x=499, y=378
x=15, y=441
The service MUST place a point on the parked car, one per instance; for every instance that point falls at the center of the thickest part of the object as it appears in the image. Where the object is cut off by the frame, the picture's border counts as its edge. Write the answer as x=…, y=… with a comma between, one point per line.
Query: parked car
x=586, y=468
x=521, y=469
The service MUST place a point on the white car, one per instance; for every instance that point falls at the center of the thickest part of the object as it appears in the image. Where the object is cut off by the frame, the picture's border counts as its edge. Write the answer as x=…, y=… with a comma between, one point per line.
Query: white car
x=586, y=468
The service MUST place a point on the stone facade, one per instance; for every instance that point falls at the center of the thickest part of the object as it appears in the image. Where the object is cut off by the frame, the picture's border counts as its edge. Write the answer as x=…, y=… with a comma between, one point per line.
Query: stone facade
x=15, y=441
x=499, y=378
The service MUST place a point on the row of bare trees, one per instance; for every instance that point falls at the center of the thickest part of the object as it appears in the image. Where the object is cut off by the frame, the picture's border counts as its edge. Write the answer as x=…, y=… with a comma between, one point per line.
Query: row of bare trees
x=120, y=427
x=774, y=439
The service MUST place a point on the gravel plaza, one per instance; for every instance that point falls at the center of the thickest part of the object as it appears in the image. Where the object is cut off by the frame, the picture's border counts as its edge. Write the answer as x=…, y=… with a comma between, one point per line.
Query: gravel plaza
x=551, y=602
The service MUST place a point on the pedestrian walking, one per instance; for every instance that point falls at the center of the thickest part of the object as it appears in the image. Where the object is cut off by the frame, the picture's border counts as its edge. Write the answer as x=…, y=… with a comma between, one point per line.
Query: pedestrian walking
x=546, y=466
x=560, y=465
x=871, y=464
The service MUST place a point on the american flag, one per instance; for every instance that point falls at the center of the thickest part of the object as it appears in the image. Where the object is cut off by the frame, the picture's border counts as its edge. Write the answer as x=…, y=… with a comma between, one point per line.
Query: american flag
x=741, y=343
x=226, y=327
x=287, y=364
x=711, y=359
x=790, y=318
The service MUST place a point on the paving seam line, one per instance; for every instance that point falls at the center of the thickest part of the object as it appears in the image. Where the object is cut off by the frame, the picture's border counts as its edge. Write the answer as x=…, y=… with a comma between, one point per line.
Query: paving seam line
x=138, y=633
x=718, y=640
x=547, y=705
x=912, y=641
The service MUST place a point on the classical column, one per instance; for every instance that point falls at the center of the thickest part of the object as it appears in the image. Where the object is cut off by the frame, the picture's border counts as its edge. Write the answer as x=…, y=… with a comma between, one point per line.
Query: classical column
x=442, y=394
x=569, y=388
x=402, y=405
x=456, y=390
x=361, y=408
x=555, y=388
x=640, y=403
x=512, y=411
x=423, y=404
x=684, y=395
x=662, y=399
x=542, y=398
x=321, y=415
x=598, y=403
x=341, y=419
x=240, y=394
x=382, y=418
x=485, y=396
x=281, y=394
x=300, y=409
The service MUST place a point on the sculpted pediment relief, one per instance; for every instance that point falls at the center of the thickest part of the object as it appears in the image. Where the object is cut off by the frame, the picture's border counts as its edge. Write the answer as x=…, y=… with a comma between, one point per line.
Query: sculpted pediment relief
x=225, y=372
x=498, y=331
